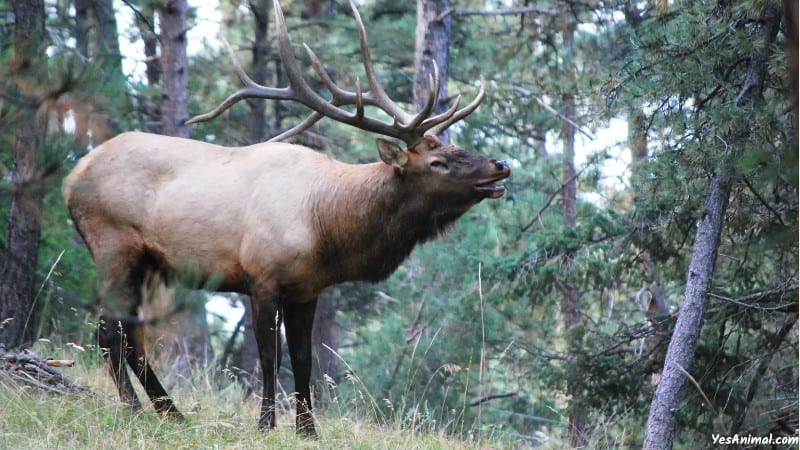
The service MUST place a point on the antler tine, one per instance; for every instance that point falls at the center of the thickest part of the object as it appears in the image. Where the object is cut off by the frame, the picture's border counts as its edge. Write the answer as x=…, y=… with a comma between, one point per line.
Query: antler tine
x=340, y=97
x=290, y=64
x=299, y=128
x=441, y=118
x=314, y=117
x=433, y=99
x=250, y=89
x=381, y=99
x=436, y=128
x=336, y=91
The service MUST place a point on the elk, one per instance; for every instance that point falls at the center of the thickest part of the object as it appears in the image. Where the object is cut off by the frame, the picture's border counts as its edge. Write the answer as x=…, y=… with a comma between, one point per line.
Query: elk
x=274, y=221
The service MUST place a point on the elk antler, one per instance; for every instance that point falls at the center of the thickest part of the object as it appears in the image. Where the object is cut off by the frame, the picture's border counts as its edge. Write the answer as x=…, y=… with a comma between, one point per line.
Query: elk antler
x=406, y=127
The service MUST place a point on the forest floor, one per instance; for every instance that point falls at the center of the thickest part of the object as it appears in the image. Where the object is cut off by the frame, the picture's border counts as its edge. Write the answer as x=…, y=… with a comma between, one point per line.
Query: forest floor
x=43, y=409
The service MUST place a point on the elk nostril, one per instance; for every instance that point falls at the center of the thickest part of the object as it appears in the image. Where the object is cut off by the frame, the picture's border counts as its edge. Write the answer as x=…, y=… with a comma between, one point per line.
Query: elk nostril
x=500, y=165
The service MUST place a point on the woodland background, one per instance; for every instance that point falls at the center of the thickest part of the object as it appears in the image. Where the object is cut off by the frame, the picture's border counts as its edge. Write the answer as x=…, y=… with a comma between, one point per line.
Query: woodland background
x=542, y=318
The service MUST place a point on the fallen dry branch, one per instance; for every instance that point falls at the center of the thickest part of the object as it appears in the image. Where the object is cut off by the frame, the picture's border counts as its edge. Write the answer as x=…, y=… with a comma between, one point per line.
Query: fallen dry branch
x=492, y=397
x=27, y=369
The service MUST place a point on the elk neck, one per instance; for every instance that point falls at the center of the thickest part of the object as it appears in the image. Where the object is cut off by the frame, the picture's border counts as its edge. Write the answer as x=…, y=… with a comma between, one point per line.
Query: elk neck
x=368, y=219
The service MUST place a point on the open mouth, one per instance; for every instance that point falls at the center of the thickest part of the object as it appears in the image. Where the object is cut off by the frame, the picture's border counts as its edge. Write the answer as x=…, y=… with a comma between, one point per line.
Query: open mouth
x=490, y=188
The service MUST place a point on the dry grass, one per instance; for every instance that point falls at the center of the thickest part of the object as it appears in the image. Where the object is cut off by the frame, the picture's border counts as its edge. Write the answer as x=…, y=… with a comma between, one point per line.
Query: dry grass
x=33, y=418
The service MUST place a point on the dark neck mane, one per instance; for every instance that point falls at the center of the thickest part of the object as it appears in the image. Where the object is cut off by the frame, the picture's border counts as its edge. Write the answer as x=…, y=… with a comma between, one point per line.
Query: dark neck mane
x=371, y=219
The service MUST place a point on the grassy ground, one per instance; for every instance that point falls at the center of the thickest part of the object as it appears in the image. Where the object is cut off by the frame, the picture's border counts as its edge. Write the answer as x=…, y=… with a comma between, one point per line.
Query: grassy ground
x=31, y=418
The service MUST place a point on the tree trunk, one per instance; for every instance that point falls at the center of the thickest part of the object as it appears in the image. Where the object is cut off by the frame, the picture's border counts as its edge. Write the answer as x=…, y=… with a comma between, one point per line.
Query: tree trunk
x=82, y=26
x=151, y=60
x=258, y=72
x=661, y=421
x=18, y=270
x=660, y=430
x=145, y=21
x=432, y=45
x=174, y=68
x=97, y=41
x=277, y=108
x=108, y=52
x=571, y=307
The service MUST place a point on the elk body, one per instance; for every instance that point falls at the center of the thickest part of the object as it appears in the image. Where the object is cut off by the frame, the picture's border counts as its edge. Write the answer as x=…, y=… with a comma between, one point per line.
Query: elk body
x=274, y=221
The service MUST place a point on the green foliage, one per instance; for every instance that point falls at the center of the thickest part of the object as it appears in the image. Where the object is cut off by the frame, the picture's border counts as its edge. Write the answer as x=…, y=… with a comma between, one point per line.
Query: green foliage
x=477, y=313
x=690, y=67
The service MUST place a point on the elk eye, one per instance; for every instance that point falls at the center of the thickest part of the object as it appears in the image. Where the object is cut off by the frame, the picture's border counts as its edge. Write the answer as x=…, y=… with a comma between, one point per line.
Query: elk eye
x=439, y=165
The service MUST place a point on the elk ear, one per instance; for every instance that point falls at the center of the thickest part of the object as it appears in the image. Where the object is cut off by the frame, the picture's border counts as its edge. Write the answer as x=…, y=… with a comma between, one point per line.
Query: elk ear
x=392, y=154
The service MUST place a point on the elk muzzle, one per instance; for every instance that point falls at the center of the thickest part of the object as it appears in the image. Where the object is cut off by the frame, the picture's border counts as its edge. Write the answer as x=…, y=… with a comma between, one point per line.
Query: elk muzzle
x=488, y=187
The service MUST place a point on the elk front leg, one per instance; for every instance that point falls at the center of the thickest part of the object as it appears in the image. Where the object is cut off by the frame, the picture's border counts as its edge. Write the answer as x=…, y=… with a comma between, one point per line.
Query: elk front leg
x=298, y=321
x=266, y=326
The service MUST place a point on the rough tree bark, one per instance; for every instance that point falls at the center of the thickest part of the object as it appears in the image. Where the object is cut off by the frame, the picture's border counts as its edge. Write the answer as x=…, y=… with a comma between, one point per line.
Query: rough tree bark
x=660, y=430
x=680, y=353
x=174, y=68
x=258, y=71
x=82, y=23
x=432, y=45
x=21, y=253
x=97, y=40
x=150, y=39
x=145, y=22
x=107, y=52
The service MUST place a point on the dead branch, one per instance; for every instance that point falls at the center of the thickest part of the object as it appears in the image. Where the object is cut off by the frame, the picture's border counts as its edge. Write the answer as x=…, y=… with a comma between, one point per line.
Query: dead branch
x=27, y=369
x=786, y=293
x=492, y=397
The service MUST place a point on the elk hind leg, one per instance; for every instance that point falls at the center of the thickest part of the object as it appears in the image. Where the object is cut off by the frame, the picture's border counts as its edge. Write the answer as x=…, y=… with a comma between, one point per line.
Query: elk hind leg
x=123, y=264
x=120, y=294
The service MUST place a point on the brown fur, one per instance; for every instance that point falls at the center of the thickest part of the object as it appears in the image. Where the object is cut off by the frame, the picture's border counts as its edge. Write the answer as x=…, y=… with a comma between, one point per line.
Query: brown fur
x=275, y=221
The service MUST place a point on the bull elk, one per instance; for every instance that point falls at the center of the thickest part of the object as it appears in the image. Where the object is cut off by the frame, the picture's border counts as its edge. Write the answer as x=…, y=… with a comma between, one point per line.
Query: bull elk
x=275, y=221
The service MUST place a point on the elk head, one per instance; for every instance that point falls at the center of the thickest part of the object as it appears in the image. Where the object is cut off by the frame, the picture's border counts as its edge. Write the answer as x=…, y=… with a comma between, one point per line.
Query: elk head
x=448, y=166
